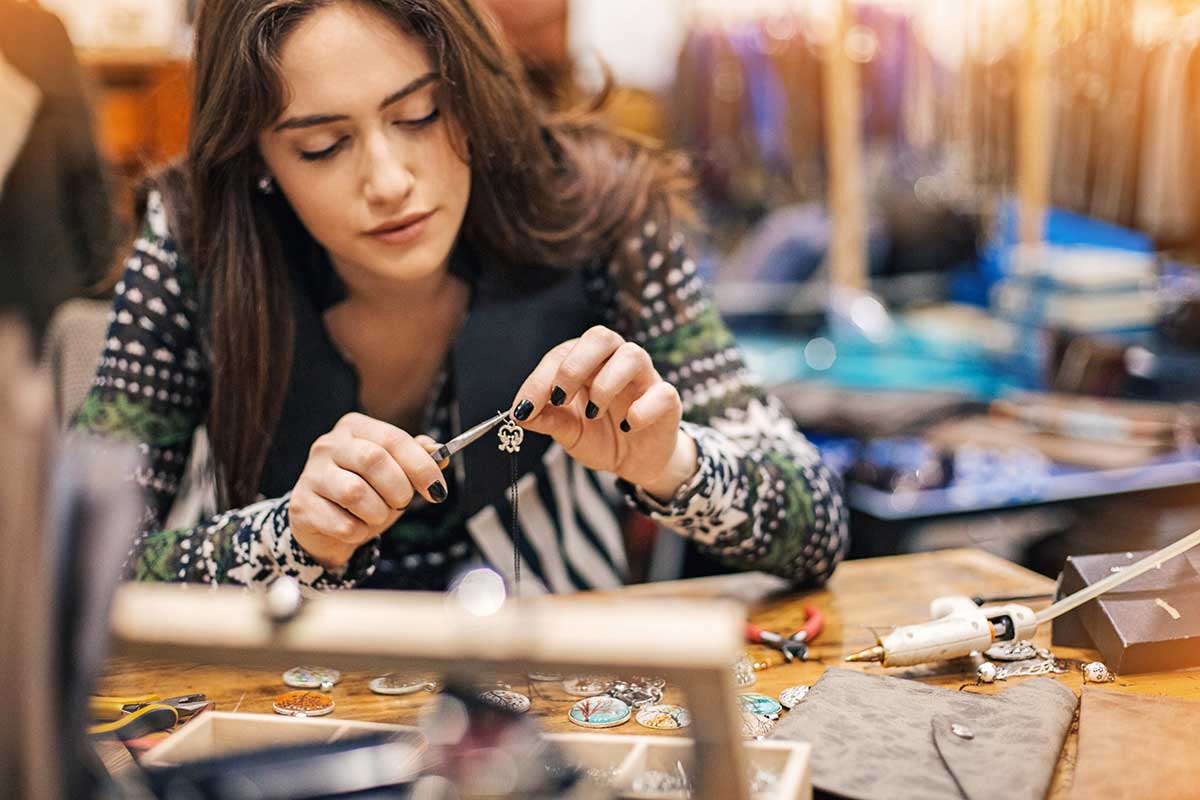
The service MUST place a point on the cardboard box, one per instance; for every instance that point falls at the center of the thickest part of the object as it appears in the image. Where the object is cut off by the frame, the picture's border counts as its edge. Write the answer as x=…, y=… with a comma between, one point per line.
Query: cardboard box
x=1150, y=624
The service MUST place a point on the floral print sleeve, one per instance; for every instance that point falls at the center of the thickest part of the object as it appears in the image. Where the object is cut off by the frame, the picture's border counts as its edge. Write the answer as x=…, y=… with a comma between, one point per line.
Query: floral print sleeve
x=762, y=498
x=151, y=388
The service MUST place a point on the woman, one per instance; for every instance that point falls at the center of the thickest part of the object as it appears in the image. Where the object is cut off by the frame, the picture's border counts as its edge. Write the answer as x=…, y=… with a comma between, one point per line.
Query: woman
x=378, y=235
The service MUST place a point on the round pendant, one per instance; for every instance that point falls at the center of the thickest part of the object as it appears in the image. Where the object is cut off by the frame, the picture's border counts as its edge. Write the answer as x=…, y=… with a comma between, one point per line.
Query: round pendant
x=792, y=695
x=306, y=677
x=1011, y=651
x=635, y=695
x=587, y=685
x=755, y=703
x=599, y=712
x=756, y=726
x=1097, y=672
x=664, y=717
x=544, y=677
x=506, y=699
x=395, y=683
x=302, y=704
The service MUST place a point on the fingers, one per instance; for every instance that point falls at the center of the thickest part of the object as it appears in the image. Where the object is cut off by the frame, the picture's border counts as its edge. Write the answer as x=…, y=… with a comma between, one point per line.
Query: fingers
x=589, y=353
x=413, y=457
x=354, y=494
x=316, y=513
x=629, y=368
x=365, y=458
x=537, y=389
x=660, y=402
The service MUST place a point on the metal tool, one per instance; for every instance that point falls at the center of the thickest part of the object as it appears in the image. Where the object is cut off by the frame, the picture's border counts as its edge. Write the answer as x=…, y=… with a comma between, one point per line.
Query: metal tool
x=790, y=649
x=467, y=437
x=814, y=623
x=960, y=627
x=134, y=717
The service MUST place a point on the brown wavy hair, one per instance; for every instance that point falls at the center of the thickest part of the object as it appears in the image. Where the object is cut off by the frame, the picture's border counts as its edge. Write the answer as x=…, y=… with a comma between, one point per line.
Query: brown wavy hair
x=547, y=190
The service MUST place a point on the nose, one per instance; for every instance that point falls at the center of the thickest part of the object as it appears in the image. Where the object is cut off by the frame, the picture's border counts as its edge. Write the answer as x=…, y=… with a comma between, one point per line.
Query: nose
x=387, y=179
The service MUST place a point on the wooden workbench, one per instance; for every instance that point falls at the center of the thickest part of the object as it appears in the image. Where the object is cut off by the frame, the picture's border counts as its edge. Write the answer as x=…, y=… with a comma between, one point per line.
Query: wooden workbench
x=863, y=594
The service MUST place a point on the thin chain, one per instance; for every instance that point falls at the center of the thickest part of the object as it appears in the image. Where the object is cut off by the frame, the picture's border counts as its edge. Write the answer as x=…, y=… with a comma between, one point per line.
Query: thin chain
x=516, y=529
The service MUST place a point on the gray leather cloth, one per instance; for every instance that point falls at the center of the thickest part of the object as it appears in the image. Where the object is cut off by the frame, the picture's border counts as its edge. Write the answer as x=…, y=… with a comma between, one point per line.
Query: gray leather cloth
x=880, y=737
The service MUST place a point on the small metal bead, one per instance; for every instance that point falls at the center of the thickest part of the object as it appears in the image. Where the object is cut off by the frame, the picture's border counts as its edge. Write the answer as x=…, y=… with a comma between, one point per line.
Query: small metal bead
x=986, y=673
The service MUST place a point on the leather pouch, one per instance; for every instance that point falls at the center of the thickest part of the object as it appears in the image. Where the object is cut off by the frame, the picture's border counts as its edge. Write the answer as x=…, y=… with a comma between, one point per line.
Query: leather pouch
x=877, y=737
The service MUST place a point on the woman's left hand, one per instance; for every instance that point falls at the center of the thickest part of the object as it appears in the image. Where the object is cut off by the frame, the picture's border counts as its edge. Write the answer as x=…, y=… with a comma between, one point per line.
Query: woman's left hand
x=601, y=398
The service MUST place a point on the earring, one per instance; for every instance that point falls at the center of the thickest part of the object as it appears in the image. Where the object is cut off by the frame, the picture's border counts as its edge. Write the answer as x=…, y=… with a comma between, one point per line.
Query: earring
x=511, y=435
x=266, y=184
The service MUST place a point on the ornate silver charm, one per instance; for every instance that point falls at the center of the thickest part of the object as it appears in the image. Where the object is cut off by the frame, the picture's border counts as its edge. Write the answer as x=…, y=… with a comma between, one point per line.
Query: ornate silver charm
x=986, y=672
x=511, y=435
x=1012, y=651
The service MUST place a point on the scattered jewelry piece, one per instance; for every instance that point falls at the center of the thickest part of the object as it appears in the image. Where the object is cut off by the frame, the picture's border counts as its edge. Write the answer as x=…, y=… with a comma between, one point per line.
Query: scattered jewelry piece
x=756, y=726
x=307, y=677
x=1097, y=672
x=599, y=712
x=743, y=672
x=302, y=704
x=1033, y=666
x=664, y=717
x=544, y=677
x=506, y=699
x=1011, y=651
x=986, y=673
x=755, y=703
x=649, y=680
x=635, y=694
x=399, y=683
x=587, y=685
x=790, y=697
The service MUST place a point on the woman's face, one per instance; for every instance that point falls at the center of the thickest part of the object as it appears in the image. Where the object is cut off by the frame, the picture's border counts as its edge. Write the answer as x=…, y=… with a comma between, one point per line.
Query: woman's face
x=363, y=152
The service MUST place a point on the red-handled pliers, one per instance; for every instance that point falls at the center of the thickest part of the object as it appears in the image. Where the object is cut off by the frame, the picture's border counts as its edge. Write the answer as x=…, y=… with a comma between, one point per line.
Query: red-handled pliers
x=794, y=646
x=814, y=623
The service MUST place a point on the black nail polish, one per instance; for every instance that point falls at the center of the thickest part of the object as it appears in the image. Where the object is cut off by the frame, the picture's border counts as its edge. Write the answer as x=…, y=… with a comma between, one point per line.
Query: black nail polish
x=625, y=425
x=558, y=396
x=523, y=410
x=437, y=492
x=592, y=410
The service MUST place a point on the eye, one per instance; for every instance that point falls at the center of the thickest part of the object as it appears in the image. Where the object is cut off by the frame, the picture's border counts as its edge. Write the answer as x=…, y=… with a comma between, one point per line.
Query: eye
x=418, y=123
x=318, y=155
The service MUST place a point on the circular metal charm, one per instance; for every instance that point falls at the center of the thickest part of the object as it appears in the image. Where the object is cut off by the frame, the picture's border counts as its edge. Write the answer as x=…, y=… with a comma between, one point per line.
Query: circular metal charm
x=1011, y=651
x=653, y=681
x=599, y=712
x=756, y=726
x=587, y=685
x=395, y=683
x=311, y=677
x=635, y=695
x=755, y=703
x=302, y=704
x=665, y=717
x=790, y=697
x=506, y=699
x=1097, y=672
x=986, y=672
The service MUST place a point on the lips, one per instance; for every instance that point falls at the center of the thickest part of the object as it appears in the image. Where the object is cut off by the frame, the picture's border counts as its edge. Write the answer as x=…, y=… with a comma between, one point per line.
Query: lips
x=403, y=230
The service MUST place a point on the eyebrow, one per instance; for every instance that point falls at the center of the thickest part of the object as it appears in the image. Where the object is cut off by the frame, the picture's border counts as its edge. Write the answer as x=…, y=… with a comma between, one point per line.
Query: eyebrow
x=323, y=119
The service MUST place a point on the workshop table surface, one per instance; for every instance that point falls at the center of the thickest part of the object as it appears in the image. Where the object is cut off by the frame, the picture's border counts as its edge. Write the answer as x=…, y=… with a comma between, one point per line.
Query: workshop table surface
x=863, y=595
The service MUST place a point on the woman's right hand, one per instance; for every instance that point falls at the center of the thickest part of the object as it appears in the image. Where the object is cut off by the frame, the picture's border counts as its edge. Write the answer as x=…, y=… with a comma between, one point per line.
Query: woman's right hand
x=357, y=482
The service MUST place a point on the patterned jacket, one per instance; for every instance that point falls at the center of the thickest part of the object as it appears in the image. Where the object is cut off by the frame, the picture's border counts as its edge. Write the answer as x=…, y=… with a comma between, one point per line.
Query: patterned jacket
x=761, y=498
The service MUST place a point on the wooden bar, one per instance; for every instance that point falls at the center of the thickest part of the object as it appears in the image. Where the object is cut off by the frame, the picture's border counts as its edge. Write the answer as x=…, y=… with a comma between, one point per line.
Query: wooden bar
x=1033, y=125
x=843, y=146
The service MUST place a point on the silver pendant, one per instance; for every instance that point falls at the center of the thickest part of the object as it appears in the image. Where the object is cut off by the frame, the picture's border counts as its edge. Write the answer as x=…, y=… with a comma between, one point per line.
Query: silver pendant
x=511, y=435
x=1011, y=651
x=1097, y=672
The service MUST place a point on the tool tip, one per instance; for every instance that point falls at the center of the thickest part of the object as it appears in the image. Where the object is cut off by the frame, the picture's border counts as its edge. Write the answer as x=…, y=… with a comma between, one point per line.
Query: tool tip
x=870, y=654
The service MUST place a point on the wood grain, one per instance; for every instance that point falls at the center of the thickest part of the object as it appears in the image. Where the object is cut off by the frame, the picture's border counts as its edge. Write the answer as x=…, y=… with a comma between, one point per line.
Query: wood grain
x=867, y=594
